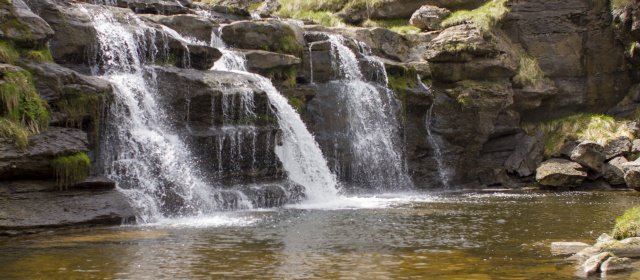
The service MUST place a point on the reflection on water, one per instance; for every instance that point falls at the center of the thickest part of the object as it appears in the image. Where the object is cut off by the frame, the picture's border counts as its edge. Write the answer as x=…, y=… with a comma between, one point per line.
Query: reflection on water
x=443, y=236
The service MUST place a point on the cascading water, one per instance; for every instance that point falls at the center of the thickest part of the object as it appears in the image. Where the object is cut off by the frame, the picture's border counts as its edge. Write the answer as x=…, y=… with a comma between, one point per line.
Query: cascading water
x=374, y=157
x=443, y=172
x=299, y=153
x=150, y=163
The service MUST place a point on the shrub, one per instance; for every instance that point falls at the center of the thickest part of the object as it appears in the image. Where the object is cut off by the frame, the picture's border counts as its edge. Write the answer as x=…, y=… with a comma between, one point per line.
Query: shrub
x=71, y=169
x=597, y=128
x=627, y=225
x=485, y=16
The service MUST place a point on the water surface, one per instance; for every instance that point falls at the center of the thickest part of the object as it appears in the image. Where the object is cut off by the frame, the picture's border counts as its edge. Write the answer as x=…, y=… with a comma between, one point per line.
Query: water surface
x=468, y=235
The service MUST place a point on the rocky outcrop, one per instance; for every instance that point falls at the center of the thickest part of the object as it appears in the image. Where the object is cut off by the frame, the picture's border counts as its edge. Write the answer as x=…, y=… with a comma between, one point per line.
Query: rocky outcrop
x=614, y=171
x=527, y=156
x=35, y=161
x=32, y=206
x=20, y=25
x=589, y=154
x=394, y=9
x=560, y=173
x=272, y=35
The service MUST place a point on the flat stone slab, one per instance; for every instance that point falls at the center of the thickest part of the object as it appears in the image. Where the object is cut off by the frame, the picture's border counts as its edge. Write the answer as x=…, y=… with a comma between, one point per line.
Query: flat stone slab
x=28, y=205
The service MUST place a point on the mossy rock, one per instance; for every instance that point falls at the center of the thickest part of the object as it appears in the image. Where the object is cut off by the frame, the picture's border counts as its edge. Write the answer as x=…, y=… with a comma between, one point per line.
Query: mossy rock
x=274, y=36
x=20, y=101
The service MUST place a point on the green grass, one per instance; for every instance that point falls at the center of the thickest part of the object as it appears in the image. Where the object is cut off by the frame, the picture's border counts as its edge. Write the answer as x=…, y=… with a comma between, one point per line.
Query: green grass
x=627, y=225
x=8, y=52
x=297, y=104
x=485, y=17
x=321, y=11
x=593, y=127
x=320, y=17
x=400, y=82
x=22, y=103
x=71, y=169
x=529, y=72
x=401, y=26
x=14, y=132
x=40, y=56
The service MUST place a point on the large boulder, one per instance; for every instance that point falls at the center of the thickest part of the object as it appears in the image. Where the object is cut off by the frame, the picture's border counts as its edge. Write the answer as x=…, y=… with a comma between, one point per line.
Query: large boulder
x=272, y=35
x=161, y=7
x=35, y=161
x=428, y=17
x=258, y=60
x=614, y=171
x=528, y=155
x=620, y=146
x=195, y=26
x=632, y=174
x=21, y=25
x=589, y=154
x=54, y=81
x=199, y=57
x=560, y=173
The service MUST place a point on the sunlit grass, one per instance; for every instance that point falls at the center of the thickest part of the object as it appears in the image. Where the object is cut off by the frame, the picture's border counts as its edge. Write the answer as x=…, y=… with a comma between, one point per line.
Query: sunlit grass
x=593, y=127
x=485, y=17
x=401, y=26
x=627, y=225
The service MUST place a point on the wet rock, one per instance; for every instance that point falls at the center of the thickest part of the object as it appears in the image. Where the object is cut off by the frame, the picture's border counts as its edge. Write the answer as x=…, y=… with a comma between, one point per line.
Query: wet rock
x=272, y=35
x=620, y=146
x=263, y=60
x=160, y=7
x=429, y=17
x=615, y=265
x=95, y=183
x=592, y=265
x=614, y=171
x=21, y=25
x=567, y=248
x=195, y=26
x=589, y=154
x=201, y=57
x=560, y=173
x=26, y=205
x=35, y=161
x=528, y=155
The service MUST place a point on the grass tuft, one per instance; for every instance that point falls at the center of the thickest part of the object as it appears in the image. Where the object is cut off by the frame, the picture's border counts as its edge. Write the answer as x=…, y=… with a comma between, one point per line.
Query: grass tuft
x=593, y=127
x=620, y=4
x=485, y=16
x=71, y=169
x=401, y=26
x=529, y=72
x=8, y=52
x=14, y=132
x=627, y=225
x=22, y=103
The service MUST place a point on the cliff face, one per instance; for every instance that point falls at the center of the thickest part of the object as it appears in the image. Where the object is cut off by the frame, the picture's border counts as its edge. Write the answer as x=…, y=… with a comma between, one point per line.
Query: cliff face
x=467, y=86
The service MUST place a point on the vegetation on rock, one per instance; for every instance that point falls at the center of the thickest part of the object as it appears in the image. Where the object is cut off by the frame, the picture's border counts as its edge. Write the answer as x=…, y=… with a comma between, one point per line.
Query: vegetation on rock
x=15, y=132
x=529, y=72
x=22, y=103
x=627, y=225
x=485, y=17
x=8, y=52
x=71, y=169
x=619, y=4
x=593, y=127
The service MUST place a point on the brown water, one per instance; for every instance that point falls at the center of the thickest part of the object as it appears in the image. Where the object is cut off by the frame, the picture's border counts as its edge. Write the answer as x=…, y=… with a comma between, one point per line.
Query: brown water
x=439, y=236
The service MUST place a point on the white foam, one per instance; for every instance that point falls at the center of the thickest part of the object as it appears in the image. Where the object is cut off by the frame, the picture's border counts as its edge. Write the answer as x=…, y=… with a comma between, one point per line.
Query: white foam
x=208, y=221
x=379, y=201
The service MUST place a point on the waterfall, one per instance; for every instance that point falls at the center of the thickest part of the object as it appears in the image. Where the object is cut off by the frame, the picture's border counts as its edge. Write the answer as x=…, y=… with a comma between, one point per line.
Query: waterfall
x=375, y=158
x=299, y=153
x=149, y=161
x=443, y=172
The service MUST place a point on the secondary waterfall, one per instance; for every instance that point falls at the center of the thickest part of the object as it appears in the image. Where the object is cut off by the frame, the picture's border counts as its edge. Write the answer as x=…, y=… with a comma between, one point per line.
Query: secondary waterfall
x=150, y=163
x=299, y=153
x=361, y=131
x=443, y=171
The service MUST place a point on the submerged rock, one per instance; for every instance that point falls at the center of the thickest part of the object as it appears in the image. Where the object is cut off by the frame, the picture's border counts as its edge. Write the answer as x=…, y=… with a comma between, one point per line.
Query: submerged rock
x=592, y=265
x=560, y=173
x=567, y=248
x=615, y=265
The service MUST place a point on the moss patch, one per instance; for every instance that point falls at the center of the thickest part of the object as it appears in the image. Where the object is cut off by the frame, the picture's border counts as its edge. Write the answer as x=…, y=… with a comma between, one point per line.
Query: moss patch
x=593, y=127
x=40, y=56
x=400, y=82
x=627, y=225
x=297, y=104
x=22, y=103
x=71, y=169
x=15, y=132
x=485, y=16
